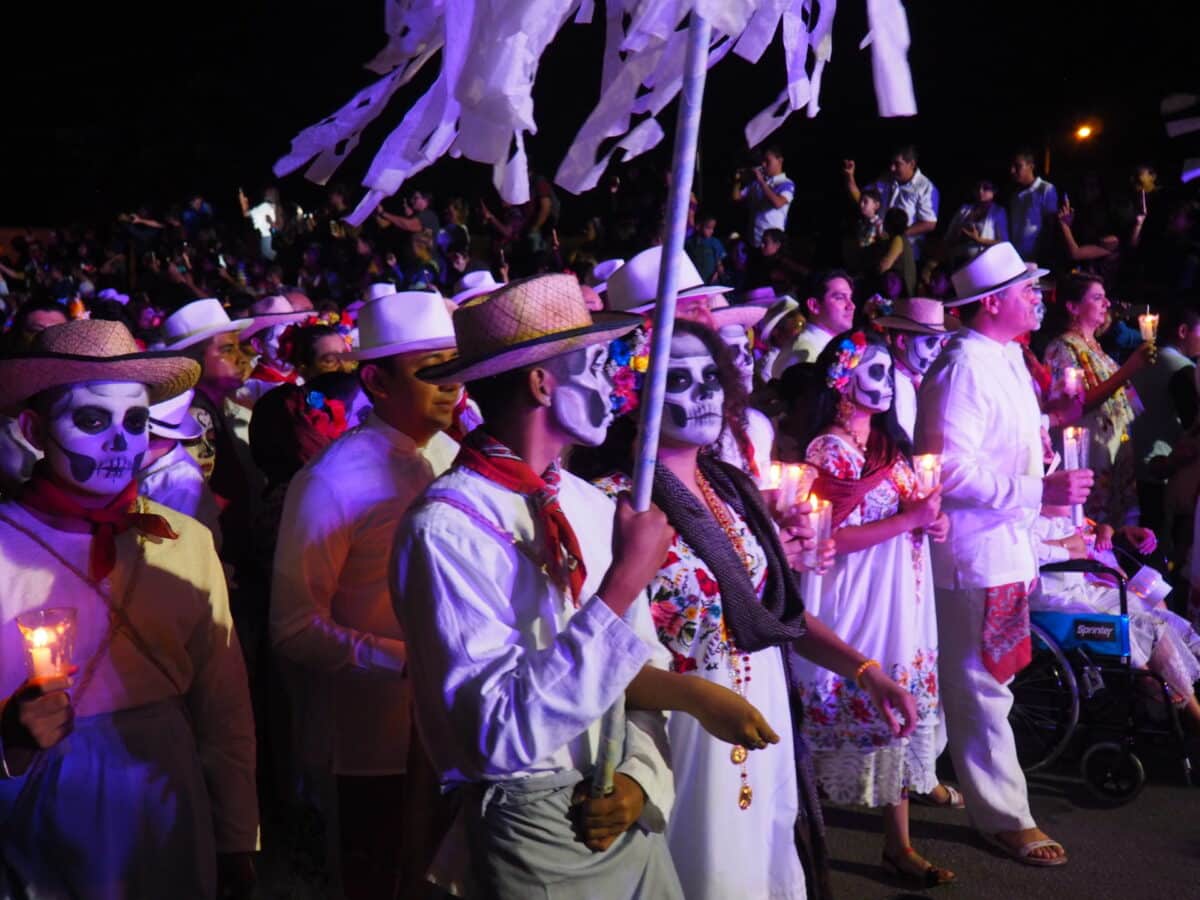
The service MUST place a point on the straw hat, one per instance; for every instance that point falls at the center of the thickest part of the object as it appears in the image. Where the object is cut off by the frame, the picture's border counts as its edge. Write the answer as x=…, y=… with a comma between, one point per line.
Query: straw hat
x=919, y=314
x=92, y=350
x=634, y=286
x=475, y=284
x=525, y=322
x=998, y=267
x=270, y=311
x=403, y=323
x=171, y=418
x=198, y=321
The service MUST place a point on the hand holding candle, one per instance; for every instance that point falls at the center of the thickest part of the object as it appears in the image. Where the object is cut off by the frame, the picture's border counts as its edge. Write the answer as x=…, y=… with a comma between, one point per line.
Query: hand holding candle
x=1148, y=325
x=797, y=481
x=820, y=520
x=928, y=467
x=1072, y=381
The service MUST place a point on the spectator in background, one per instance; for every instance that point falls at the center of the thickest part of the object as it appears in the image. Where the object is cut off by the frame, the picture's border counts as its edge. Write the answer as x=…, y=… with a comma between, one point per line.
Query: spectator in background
x=169, y=474
x=33, y=317
x=976, y=226
x=1031, y=209
x=908, y=188
x=313, y=350
x=830, y=309
x=706, y=250
x=767, y=193
x=265, y=216
x=897, y=255
x=868, y=228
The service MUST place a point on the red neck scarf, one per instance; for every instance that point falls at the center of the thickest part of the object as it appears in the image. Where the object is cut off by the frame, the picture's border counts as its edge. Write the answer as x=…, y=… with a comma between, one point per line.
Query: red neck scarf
x=271, y=375
x=845, y=494
x=44, y=493
x=484, y=454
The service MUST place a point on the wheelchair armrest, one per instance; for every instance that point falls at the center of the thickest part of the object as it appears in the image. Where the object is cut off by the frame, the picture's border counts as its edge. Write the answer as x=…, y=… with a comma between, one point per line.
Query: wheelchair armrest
x=1090, y=567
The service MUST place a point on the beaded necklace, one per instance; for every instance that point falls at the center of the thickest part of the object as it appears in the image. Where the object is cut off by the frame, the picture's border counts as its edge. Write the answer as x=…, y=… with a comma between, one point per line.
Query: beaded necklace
x=739, y=662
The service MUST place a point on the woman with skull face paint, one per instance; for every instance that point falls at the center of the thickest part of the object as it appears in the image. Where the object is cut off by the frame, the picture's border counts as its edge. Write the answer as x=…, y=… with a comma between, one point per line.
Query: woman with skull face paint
x=153, y=795
x=878, y=596
x=727, y=606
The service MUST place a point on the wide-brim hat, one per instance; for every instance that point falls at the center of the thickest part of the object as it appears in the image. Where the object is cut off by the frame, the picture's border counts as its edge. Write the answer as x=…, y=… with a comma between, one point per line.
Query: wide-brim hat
x=475, y=284
x=778, y=311
x=268, y=312
x=998, y=267
x=92, y=350
x=524, y=323
x=403, y=322
x=723, y=313
x=634, y=286
x=920, y=315
x=602, y=271
x=198, y=321
x=172, y=418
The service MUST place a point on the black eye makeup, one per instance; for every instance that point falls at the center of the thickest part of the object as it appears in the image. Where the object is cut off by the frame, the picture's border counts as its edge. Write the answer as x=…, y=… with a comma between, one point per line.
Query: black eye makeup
x=135, y=420
x=91, y=419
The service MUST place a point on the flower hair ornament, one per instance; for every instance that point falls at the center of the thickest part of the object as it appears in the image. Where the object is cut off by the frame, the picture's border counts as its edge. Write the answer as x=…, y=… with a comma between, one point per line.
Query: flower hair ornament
x=326, y=415
x=628, y=360
x=342, y=323
x=849, y=355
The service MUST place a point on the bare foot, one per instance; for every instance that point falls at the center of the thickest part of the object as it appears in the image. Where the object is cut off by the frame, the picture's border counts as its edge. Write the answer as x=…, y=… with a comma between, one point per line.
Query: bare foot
x=1017, y=839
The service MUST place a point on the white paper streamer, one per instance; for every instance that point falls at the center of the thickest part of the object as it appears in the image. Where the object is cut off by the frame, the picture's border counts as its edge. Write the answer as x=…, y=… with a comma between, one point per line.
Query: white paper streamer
x=481, y=104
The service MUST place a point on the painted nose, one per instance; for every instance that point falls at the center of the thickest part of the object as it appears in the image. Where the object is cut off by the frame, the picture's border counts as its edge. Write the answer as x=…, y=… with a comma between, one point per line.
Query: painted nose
x=119, y=443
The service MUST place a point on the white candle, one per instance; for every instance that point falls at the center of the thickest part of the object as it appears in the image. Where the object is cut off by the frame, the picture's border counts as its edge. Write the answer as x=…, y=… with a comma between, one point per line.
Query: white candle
x=41, y=653
x=1072, y=379
x=820, y=519
x=1148, y=325
x=1075, y=456
x=796, y=482
x=929, y=472
x=774, y=478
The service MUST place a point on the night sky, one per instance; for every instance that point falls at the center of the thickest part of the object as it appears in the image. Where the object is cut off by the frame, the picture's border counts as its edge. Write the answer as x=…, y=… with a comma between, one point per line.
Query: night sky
x=115, y=104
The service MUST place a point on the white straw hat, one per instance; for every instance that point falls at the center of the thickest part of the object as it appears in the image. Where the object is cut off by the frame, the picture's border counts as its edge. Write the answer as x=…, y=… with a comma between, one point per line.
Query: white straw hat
x=634, y=286
x=475, y=284
x=996, y=268
x=198, y=321
x=403, y=322
x=171, y=418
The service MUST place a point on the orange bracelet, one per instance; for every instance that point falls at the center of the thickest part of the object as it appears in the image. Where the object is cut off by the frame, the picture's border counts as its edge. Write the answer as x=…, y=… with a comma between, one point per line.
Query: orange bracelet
x=862, y=670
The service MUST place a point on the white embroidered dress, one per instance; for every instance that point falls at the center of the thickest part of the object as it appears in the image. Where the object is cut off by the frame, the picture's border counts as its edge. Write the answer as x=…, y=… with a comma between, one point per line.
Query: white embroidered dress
x=880, y=601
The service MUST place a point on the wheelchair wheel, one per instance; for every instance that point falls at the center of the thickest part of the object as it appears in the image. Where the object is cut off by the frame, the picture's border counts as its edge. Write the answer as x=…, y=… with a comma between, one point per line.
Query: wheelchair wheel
x=1112, y=772
x=1045, y=708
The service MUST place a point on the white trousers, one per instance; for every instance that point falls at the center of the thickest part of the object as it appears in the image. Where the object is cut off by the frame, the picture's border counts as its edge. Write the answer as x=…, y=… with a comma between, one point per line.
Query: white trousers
x=977, y=706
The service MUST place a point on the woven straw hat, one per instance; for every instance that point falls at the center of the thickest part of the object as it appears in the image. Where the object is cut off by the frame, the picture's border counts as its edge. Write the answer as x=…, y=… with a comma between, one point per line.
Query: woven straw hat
x=525, y=322
x=92, y=350
x=919, y=314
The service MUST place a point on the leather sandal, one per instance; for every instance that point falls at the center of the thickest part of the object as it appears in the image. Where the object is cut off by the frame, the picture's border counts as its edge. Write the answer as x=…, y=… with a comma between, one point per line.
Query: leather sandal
x=930, y=876
x=954, y=799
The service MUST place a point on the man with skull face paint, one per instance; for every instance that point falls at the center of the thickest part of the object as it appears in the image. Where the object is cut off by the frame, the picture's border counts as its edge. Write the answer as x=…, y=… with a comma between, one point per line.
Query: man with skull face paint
x=727, y=606
x=154, y=793
x=917, y=329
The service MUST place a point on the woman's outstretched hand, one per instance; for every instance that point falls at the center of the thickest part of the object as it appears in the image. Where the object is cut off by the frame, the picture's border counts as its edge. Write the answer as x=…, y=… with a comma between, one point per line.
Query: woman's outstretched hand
x=894, y=703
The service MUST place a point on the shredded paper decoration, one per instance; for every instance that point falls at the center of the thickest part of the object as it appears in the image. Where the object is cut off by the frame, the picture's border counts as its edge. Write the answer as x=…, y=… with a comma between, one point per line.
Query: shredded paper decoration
x=481, y=105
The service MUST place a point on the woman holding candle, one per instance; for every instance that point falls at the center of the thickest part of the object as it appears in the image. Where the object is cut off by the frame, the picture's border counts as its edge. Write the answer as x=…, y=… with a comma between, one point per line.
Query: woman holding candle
x=1109, y=401
x=878, y=595
x=727, y=606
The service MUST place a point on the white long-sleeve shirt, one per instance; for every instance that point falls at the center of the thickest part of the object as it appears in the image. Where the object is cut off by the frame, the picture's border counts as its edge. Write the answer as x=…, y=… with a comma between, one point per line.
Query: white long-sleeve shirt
x=509, y=679
x=331, y=611
x=174, y=594
x=176, y=481
x=977, y=408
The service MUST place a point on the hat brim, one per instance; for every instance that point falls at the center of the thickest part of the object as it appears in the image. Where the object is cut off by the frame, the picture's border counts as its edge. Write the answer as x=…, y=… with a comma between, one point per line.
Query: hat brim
x=607, y=326
x=1028, y=275
x=770, y=324
x=746, y=316
x=26, y=375
x=268, y=320
x=472, y=293
x=187, y=430
x=700, y=290
x=440, y=343
x=204, y=334
x=904, y=323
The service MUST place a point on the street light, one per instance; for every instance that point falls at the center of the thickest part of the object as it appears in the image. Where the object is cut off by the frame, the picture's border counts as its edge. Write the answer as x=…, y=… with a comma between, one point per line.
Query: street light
x=1083, y=132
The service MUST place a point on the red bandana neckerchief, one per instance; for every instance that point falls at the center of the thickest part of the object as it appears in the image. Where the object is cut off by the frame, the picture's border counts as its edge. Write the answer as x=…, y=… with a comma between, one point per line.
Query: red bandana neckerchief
x=45, y=494
x=271, y=375
x=482, y=453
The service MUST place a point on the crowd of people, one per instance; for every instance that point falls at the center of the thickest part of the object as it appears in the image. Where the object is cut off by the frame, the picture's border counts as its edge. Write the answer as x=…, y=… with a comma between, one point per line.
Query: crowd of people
x=340, y=520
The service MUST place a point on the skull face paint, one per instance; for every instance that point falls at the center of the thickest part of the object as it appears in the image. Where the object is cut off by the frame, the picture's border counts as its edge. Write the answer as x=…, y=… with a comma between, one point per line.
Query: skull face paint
x=920, y=350
x=96, y=435
x=871, y=382
x=737, y=339
x=693, y=411
x=582, y=399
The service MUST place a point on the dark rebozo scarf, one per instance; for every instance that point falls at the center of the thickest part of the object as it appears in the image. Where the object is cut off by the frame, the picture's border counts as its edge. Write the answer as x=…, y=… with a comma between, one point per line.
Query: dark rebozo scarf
x=775, y=621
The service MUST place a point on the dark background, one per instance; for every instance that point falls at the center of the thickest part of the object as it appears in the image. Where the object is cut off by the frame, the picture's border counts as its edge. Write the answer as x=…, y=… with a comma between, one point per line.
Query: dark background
x=108, y=106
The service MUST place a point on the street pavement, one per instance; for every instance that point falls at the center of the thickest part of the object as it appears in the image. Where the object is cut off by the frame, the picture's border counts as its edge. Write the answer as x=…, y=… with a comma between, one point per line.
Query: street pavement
x=1146, y=850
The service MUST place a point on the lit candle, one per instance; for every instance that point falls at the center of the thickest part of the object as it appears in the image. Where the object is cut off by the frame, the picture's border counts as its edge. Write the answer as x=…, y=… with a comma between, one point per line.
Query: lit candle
x=797, y=481
x=1148, y=324
x=1072, y=380
x=820, y=519
x=48, y=635
x=774, y=479
x=929, y=472
x=1075, y=456
x=41, y=653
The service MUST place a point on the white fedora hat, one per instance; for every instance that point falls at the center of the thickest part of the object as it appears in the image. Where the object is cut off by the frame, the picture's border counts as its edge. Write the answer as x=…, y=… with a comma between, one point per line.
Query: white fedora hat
x=198, y=321
x=996, y=268
x=475, y=284
x=403, y=322
x=373, y=292
x=634, y=286
x=171, y=418
x=269, y=311
x=603, y=271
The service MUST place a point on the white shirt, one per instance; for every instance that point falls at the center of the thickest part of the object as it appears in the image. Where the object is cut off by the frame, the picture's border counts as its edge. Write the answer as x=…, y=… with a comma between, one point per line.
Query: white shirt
x=175, y=481
x=1028, y=210
x=918, y=197
x=331, y=610
x=259, y=216
x=509, y=679
x=977, y=408
x=174, y=594
x=765, y=214
x=809, y=343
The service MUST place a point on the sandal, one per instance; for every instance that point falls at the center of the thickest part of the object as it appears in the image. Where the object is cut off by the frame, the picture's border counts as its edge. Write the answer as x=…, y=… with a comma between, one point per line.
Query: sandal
x=930, y=876
x=1023, y=853
x=954, y=799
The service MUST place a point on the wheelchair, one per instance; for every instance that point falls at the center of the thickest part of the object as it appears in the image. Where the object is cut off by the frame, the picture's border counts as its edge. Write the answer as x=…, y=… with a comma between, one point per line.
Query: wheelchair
x=1081, y=690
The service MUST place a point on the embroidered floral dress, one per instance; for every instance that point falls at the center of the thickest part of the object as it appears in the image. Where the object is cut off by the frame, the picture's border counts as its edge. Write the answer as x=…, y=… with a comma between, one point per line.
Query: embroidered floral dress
x=880, y=601
x=722, y=852
x=1113, y=500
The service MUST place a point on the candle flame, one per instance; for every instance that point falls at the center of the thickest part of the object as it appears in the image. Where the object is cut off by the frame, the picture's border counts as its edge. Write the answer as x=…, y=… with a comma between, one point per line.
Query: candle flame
x=41, y=637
